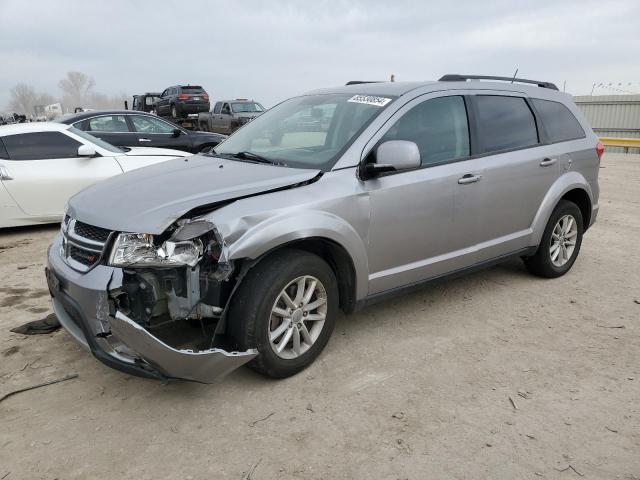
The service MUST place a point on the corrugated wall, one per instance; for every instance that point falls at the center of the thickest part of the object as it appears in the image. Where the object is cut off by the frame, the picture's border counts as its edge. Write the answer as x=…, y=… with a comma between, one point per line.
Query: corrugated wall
x=613, y=116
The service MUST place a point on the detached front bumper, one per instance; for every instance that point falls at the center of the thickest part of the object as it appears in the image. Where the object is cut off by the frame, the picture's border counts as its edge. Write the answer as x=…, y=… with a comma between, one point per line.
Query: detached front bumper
x=81, y=303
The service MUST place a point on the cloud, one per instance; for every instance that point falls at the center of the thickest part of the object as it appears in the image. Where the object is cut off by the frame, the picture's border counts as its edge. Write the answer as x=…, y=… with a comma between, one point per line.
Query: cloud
x=272, y=50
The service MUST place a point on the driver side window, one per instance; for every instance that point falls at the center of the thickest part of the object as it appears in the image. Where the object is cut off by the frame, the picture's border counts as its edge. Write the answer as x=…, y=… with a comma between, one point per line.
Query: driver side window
x=438, y=126
x=144, y=124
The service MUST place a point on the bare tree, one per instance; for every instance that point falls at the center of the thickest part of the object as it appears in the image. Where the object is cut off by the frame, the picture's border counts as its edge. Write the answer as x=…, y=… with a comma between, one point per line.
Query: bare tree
x=23, y=98
x=76, y=87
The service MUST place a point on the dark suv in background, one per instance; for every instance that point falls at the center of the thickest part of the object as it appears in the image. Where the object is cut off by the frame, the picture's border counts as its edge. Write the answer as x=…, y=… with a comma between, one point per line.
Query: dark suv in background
x=182, y=100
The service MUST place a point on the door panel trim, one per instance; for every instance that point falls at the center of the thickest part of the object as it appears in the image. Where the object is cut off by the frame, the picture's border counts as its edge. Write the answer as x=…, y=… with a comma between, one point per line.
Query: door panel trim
x=392, y=292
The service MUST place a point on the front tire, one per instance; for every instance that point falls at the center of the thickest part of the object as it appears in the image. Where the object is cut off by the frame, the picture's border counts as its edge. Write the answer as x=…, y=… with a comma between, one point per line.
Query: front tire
x=286, y=308
x=174, y=112
x=560, y=242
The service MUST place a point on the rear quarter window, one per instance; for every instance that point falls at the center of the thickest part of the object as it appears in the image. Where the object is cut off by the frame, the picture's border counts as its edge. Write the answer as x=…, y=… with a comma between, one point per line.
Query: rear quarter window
x=559, y=123
x=505, y=123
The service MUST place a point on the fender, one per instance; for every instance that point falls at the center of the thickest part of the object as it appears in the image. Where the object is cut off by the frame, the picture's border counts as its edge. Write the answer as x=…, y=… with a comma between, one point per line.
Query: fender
x=276, y=231
x=568, y=181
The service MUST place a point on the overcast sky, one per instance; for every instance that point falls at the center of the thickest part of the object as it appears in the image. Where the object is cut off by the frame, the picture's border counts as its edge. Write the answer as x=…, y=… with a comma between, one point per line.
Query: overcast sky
x=275, y=49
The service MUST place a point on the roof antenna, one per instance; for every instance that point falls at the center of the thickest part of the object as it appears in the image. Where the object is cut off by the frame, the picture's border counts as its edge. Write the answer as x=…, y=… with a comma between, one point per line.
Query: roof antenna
x=514, y=75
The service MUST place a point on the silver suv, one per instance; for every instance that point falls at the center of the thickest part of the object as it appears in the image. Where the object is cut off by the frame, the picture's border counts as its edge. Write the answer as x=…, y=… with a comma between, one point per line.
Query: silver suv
x=190, y=268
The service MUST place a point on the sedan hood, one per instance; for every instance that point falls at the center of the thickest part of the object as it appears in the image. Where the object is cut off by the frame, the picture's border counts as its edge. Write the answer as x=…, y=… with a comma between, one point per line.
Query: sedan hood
x=150, y=199
x=154, y=152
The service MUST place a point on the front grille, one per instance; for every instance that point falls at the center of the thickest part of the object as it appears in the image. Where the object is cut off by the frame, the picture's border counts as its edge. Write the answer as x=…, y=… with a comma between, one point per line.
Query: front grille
x=83, y=245
x=85, y=257
x=96, y=234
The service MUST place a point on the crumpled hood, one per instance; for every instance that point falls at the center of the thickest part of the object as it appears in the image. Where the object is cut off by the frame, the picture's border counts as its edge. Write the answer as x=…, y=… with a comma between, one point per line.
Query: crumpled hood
x=154, y=152
x=150, y=199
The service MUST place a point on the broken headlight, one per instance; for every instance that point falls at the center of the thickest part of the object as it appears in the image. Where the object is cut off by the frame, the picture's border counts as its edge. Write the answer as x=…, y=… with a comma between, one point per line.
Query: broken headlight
x=138, y=249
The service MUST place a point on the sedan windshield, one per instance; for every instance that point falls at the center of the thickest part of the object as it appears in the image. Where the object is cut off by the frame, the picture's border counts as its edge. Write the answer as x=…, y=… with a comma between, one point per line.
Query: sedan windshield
x=305, y=132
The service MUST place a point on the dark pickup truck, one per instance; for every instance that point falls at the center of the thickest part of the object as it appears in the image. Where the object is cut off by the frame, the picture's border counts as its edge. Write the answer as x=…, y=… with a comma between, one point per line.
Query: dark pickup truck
x=229, y=115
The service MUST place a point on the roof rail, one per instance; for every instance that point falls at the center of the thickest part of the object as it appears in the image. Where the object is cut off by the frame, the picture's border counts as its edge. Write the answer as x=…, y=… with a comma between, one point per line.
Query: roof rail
x=358, y=82
x=454, y=77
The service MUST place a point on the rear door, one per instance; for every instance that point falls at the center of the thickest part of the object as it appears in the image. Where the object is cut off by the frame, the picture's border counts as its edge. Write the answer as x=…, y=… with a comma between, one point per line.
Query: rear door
x=155, y=132
x=516, y=170
x=44, y=170
x=113, y=129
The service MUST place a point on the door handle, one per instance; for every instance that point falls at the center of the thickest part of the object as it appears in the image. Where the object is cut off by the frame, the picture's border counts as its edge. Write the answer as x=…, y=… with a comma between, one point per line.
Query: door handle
x=469, y=178
x=547, y=162
x=144, y=139
x=4, y=173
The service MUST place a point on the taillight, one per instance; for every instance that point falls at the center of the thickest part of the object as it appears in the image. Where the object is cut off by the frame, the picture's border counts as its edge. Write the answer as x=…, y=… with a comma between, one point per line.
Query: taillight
x=205, y=95
x=599, y=150
x=183, y=96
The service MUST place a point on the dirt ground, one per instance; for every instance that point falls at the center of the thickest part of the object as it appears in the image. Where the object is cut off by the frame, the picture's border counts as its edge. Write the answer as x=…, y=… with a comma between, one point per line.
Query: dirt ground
x=419, y=387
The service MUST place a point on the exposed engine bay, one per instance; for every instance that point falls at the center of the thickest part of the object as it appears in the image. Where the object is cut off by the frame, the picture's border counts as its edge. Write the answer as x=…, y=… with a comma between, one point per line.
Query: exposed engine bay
x=182, y=304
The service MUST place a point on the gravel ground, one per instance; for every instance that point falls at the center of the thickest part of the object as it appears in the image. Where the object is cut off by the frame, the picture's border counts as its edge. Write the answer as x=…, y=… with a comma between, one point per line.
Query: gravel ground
x=422, y=386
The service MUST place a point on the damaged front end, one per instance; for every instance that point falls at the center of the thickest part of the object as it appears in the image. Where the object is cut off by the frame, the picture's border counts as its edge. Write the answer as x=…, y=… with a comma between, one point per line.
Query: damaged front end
x=165, y=300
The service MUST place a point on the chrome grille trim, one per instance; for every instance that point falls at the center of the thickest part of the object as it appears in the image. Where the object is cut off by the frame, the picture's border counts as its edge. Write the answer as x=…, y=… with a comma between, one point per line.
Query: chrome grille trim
x=77, y=249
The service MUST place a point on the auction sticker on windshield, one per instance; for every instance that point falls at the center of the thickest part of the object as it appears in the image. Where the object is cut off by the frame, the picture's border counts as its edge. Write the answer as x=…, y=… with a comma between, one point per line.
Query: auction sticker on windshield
x=370, y=100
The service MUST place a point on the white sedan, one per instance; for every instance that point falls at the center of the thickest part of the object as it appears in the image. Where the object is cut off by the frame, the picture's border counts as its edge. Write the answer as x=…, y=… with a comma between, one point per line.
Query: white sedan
x=43, y=164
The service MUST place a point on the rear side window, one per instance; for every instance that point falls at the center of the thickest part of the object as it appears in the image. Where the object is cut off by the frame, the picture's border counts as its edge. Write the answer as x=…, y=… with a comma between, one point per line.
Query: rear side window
x=40, y=145
x=559, y=123
x=438, y=126
x=111, y=123
x=505, y=123
x=218, y=107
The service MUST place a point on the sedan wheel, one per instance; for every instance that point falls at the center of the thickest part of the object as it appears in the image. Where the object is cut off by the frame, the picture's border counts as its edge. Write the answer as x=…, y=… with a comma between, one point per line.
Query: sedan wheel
x=297, y=317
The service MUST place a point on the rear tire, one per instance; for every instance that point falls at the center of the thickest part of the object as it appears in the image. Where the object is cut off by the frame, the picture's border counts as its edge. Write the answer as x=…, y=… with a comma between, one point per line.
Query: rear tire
x=560, y=242
x=254, y=323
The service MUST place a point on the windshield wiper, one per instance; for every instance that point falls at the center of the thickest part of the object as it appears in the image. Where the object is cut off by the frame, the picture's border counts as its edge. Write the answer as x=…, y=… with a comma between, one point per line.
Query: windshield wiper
x=246, y=155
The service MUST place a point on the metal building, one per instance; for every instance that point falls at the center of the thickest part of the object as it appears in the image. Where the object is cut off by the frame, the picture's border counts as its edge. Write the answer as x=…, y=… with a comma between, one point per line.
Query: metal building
x=613, y=116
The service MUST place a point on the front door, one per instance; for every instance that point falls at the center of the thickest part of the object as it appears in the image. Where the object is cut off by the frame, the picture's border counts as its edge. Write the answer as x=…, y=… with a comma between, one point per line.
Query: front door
x=154, y=132
x=43, y=171
x=424, y=222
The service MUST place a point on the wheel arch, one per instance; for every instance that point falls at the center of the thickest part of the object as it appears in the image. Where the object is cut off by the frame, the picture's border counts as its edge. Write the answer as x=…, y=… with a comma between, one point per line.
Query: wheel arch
x=331, y=238
x=573, y=187
x=580, y=197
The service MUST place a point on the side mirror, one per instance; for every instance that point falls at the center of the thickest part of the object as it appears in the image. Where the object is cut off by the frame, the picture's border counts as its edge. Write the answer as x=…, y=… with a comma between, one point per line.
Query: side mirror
x=176, y=132
x=393, y=156
x=86, y=151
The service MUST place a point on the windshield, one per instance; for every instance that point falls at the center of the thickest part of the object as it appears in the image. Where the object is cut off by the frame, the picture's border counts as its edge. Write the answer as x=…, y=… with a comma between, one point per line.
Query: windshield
x=95, y=141
x=306, y=132
x=246, y=107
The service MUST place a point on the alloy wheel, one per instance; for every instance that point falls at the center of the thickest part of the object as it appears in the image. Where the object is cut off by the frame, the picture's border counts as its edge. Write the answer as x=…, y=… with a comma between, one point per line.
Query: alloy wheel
x=297, y=317
x=563, y=240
